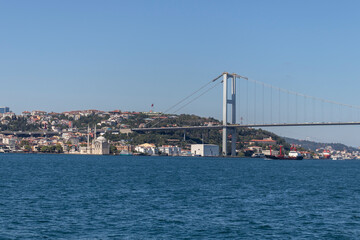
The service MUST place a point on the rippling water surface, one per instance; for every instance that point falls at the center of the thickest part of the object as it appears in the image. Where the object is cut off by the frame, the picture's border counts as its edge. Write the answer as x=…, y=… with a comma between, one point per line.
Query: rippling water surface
x=116, y=197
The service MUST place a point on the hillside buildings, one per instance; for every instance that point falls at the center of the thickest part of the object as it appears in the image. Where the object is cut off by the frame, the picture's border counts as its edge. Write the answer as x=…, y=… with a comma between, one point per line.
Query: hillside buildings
x=67, y=132
x=267, y=141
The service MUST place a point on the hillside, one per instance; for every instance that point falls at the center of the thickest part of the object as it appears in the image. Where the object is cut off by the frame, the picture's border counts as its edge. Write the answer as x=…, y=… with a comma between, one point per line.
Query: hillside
x=185, y=138
x=310, y=145
x=77, y=123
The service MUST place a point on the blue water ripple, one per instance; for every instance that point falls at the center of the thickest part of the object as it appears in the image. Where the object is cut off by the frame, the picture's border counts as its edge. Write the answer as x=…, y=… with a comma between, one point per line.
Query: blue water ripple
x=117, y=197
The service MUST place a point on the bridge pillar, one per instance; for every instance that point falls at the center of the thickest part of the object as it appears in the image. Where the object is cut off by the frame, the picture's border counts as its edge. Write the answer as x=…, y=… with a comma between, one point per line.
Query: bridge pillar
x=227, y=101
x=224, y=142
x=233, y=116
x=233, y=142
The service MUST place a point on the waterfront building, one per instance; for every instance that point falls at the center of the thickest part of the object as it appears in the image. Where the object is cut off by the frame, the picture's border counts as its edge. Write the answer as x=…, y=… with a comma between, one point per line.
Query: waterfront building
x=170, y=150
x=256, y=149
x=83, y=150
x=100, y=146
x=147, y=148
x=124, y=147
x=205, y=150
x=10, y=142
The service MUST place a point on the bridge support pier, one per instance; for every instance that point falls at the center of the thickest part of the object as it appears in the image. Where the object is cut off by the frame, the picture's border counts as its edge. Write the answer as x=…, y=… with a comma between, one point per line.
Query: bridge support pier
x=227, y=101
x=233, y=142
x=224, y=141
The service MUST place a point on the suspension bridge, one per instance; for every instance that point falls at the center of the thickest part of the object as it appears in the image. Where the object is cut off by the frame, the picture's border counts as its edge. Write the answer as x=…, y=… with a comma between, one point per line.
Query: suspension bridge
x=262, y=105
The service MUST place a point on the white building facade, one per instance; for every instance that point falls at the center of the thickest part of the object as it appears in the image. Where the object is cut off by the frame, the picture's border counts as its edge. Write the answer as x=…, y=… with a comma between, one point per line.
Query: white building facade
x=147, y=148
x=100, y=146
x=205, y=150
x=170, y=150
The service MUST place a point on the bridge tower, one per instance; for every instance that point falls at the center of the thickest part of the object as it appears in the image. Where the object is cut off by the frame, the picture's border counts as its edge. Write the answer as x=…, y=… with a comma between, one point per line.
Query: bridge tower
x=226, y=101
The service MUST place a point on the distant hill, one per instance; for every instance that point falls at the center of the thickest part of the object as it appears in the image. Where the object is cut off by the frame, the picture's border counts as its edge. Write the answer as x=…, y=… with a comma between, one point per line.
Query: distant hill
x=315, y=145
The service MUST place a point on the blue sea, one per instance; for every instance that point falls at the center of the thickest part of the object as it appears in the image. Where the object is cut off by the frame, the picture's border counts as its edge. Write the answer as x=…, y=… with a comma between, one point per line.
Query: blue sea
x=118, y=197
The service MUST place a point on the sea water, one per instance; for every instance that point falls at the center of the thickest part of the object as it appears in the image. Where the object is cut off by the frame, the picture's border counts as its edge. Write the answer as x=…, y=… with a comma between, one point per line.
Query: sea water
x=127, y=197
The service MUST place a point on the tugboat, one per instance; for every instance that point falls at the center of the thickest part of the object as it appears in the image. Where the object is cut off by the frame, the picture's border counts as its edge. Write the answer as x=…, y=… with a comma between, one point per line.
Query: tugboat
x=293, y=155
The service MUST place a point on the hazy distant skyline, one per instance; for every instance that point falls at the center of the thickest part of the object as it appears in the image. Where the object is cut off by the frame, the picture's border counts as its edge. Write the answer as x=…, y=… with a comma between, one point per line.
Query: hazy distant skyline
x=73, y=55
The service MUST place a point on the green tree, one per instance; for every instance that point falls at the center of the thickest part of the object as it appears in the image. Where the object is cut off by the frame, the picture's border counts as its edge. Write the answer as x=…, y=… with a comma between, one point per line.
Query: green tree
x=23, y=143
x=113, y=149
x=44, y=149
x=27, y=148
x=59, y=148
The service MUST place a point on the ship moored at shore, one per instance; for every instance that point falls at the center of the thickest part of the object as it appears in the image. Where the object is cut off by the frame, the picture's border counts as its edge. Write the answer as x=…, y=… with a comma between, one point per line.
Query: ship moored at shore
x=293, y=155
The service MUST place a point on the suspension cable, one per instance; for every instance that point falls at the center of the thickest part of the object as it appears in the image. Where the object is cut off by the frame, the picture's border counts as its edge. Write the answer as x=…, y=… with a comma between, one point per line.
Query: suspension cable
x=186, y=104
x=192, y=94
x=301, y=94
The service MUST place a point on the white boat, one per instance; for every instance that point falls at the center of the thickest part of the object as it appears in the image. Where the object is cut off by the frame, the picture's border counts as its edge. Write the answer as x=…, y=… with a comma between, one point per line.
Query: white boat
x=125, y=153
x=337, y=157
x=295, y=155
x=258, y=155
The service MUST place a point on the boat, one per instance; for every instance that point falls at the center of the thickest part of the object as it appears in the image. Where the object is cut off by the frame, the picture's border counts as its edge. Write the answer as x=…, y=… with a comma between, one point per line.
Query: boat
x=337, y=157
x=6, y=150
x=125, y=153
x=258, y=155
x=326, y=154
x=293, y=155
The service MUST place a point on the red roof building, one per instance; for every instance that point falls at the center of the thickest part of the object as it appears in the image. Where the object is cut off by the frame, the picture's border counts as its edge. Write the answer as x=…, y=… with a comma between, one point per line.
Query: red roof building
x=268, y=141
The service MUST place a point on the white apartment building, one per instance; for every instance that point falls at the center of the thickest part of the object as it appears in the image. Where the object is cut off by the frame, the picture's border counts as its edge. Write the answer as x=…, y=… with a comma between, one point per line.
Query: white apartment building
x=170, y=150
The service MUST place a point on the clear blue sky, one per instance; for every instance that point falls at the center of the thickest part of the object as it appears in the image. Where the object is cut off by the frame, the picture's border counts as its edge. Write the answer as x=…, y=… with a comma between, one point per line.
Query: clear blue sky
x=69, y=55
